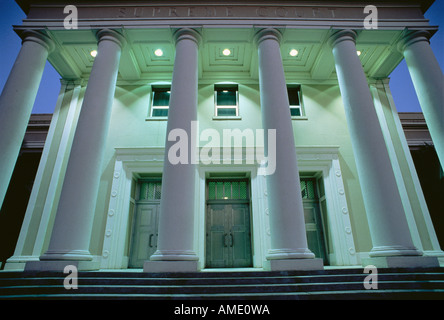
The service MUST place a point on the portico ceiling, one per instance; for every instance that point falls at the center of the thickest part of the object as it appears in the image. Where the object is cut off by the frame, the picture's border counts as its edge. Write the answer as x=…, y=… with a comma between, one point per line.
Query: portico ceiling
x=314, y=61
x=149, y=26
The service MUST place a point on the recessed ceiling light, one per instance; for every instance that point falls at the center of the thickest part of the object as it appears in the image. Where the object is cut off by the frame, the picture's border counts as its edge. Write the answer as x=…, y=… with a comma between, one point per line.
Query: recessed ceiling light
x=93, y=53
x=226, y=52
x=358, y=53
x=158, y=52
x=294, y=52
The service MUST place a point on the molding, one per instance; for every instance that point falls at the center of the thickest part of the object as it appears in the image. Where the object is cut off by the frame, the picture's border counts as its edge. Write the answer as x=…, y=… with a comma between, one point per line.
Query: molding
x=38, y=37
x=130, y=162
x=342, y=35
x=411, y=37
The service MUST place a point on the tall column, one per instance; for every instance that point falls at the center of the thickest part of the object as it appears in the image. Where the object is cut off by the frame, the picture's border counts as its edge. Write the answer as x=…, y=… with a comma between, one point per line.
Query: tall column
x=73, y=223
x=175, y=250
x=289, y=248
x=387, y=221
x=428, y=81
x=17, y=101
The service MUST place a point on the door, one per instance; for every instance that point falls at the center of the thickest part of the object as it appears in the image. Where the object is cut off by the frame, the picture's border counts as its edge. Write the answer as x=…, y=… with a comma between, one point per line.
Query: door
x=314, y=226
x=145, y=223
x=144, y=242
x=228, y=234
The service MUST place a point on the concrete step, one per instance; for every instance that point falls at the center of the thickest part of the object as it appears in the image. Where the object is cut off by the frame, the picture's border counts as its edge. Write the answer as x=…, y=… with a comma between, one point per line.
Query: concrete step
x=326, y=284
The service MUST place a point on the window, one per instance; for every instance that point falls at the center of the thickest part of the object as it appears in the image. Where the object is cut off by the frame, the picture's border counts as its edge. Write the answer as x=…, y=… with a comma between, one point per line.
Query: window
x=224, y=189
x=294, y=98
x=150, y=190
x=226, y=100
x=160, y=101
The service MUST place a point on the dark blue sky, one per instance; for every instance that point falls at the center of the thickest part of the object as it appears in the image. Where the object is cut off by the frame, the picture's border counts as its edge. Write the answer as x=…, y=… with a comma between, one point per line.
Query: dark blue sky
x=10, y=14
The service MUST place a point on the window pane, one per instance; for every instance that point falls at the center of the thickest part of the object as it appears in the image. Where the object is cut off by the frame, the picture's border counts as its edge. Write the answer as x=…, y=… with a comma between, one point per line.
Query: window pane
x=293, y=96
x=307, y=189
x=227, y=190
x=143, y=191
x=161, y=98
x=226, y=112
x=212, y=190
x=219, y=190
x=295, y=112
x=243, y=190
x=226, y=97
x=235, y=190
x=158, y=192
x=160, y=112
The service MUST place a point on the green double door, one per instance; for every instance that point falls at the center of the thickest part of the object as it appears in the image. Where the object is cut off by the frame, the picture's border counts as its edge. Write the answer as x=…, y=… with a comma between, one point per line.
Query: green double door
x=228, y=236
x=228, y=228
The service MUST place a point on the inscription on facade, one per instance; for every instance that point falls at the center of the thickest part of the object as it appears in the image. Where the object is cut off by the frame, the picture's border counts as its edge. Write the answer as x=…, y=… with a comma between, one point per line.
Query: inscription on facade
x=241, y=13
x=225, y=11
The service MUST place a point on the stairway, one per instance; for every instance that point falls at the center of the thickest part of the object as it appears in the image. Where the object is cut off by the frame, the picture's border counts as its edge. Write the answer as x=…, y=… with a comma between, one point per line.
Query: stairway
x=332, y=284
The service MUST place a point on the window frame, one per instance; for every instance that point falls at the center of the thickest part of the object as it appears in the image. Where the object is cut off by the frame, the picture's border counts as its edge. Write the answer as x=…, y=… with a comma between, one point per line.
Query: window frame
x=299, y=107
x=222, y=87
x=154, y=89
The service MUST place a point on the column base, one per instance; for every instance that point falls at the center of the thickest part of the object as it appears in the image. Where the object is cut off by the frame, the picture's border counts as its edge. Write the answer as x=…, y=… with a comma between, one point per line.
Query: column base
x=174, y=255
x=170, y=266
x=282, y=254
x=402, y=262
x=59, y=266
x=389, y=251
x=293, y=264
x=68, y=255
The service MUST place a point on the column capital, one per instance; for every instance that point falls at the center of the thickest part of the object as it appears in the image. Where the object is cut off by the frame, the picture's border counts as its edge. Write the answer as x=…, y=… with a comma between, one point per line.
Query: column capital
x=411, y=37
x=187, y=34
x=111, y=35
x=267, y=34
x=342, y=35
x=38, y=37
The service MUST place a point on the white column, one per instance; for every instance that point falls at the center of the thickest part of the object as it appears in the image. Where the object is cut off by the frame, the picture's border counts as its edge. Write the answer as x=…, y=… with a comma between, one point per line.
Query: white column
x=73, y=223
x=428, y=81
x=17, y=101
x=287, y=225
x=387, y=220
x=175, y=249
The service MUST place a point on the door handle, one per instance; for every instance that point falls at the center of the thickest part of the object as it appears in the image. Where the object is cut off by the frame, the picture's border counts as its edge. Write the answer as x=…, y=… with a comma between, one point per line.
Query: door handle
x=228, y=240
x=150, y=240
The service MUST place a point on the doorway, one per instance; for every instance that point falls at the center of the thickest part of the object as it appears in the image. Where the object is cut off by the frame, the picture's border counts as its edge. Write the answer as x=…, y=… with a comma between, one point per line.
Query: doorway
x=315, y=227
x=228, y=224
x=145, y=222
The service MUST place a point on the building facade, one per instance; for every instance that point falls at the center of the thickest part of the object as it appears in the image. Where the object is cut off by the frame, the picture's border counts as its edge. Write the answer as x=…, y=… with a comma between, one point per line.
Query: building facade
x=197, y=136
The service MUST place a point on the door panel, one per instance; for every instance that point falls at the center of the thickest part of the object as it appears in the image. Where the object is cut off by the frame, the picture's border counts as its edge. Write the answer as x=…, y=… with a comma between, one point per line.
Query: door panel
x=228, y=236
x=240, y=230
x=313, y=227
x=144, y=242
x=216, y=236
